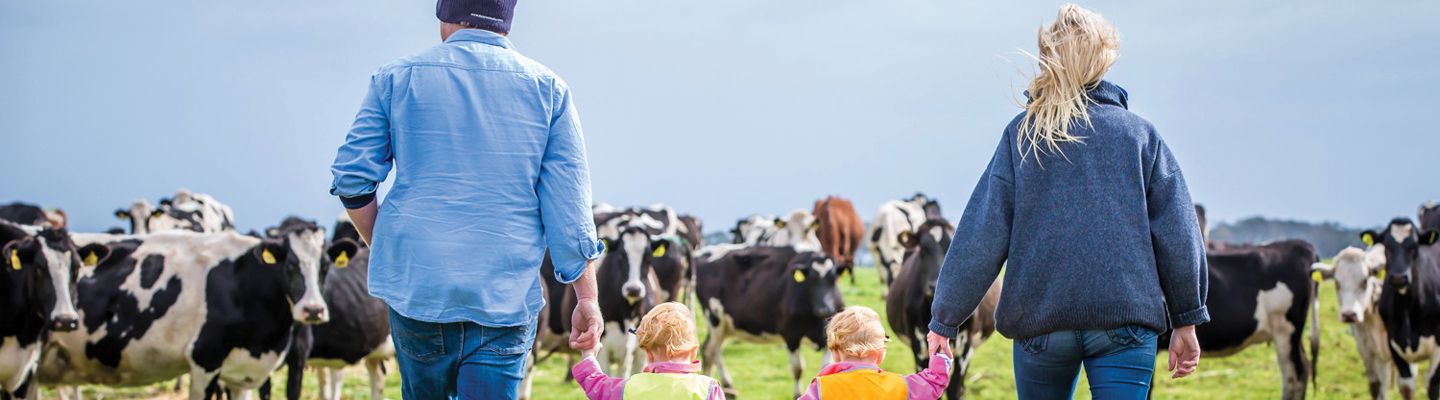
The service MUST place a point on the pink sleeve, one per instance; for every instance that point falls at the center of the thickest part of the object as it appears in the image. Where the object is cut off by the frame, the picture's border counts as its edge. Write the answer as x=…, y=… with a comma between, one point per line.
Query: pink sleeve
x=716, y=392
x=597, y=386
x=930, y=383
x=812, y=392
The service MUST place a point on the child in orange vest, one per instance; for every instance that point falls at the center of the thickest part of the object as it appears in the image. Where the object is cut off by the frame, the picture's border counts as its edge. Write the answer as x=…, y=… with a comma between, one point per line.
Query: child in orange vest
x=667, y=335
x=858, y=341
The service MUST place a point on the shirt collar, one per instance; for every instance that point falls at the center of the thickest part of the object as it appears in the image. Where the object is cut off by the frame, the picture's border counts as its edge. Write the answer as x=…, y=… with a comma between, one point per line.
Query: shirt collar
x=1104, y=92
x=847, y=366
x=482, y=36
x=673, y=367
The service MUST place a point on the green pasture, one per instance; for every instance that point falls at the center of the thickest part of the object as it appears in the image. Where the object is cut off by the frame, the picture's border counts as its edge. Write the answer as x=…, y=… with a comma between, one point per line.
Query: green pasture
x=762, y=372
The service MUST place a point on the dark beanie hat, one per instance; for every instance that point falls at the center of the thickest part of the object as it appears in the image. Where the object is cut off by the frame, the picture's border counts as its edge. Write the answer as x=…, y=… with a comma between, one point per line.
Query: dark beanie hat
x=490, y=15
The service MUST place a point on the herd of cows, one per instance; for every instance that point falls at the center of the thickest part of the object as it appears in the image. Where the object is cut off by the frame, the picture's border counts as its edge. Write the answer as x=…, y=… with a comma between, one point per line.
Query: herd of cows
x=182, y=293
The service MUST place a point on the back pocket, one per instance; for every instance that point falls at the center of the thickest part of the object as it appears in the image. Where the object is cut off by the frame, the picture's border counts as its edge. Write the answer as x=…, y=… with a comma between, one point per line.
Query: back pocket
x=1034, y=345
x=420, y=340
x=510, y=340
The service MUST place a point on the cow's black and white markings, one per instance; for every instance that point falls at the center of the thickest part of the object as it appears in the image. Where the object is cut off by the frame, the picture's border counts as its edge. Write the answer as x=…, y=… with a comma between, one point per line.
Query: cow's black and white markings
x=882, y=236
x=911, y=294
x=30, y=214
x=767, y=295
x=37, y=286
x=1260, y=294
x=1357, y=274
x=219, y=306
x=185, y=211
x=1410, y=300
x=359, y=327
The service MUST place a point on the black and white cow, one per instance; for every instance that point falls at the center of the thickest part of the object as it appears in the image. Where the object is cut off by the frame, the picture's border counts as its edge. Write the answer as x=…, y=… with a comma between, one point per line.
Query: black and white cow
x=219, y=306
x=881, y=237
x=359, y=327
x=30, y=214
x=1357, y=275
x=767, y=295
x=37, y=283
x=185, y=211
x=907, y=306
x=1410, y=300
x=1260, y=294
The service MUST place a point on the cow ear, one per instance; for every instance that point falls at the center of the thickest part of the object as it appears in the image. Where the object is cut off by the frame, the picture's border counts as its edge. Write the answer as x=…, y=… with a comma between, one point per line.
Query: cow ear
x=907, y=239
x=1369, y=237
x=19, y=249
x=815, y=226
x=122, y=214
x=92, y=254
x=270, y=252
x=272, y=232
x=157, y=213
x=1321, y=271
x=166, y=203
x=341, y=251
x=1430, y=237
x=609, y=244
x=780, y=223
x=659, y=246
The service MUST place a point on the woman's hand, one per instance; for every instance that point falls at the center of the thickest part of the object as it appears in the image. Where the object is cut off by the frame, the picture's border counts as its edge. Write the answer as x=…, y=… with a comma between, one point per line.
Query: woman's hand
x=1184, y=352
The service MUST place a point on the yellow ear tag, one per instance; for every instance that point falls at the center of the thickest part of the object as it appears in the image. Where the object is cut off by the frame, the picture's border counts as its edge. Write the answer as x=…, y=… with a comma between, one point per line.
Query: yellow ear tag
x=1368, y=239
x=1380, y=275
x=1317, y=276
x=799, y=276
x=91, y=260
x=659, y=252
x=342, y=261
x=15, y=260
x=267, y=257
x=780, y=224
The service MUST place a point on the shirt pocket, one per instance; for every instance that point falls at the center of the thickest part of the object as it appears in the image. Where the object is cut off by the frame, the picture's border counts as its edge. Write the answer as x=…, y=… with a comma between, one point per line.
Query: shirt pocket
x=510, y=340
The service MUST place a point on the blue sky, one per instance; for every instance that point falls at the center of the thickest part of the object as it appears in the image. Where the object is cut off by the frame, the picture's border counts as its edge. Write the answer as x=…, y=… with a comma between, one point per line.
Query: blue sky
x=1302, y=110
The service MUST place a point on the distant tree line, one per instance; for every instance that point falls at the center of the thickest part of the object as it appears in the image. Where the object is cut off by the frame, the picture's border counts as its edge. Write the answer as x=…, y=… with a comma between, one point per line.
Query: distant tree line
x=1328, y=237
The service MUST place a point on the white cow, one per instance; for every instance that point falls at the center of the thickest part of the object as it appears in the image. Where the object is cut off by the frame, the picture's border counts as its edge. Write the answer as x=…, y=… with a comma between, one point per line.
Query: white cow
x=1358, y=276
x=883, y=236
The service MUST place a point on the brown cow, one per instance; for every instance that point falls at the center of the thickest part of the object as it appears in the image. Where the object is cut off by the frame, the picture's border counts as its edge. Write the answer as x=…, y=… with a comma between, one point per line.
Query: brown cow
x=840, y=232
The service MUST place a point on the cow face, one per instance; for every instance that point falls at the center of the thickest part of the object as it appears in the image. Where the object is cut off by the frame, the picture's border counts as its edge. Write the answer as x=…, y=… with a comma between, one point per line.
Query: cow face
x=812, y=289
x=1429, y=216
x=670, y=259
x=305, y=264
x=631, y=262
x=755, y=229
x=1402, y=250
x=794, y=229
x=47, y=263
x=138, y=215
x=925, y=249
x=1358, y=279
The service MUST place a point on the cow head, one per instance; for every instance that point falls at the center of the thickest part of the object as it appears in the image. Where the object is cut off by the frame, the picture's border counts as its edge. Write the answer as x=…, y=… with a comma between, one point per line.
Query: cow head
x=795, y=228
x=1429, y=216
x=812, y=290
x=1401, y=241
x=925, y=249
x=754, y=230
x=46, y=265
x=138, y=215
x=300, y=252
x=670, y=258
x=632, y=254
x=1358, y=278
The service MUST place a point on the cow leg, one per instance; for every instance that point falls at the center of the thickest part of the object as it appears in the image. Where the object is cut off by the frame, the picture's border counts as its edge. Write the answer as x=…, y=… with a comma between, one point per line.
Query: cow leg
x=797, y=368
x=1407, y=375
x=377, y=377
x=322, y=378
x=337, y=382
x=1292, y=360
x=200, y=382
x=714, y=351
x=1432, y=379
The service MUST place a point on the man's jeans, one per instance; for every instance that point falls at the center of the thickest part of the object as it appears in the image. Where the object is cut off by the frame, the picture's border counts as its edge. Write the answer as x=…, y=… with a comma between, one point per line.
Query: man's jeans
x=1119, y=363
x=459, y=359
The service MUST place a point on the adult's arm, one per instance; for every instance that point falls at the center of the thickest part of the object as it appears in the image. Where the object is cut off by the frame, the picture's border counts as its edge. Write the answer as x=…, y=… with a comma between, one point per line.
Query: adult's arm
x=564, y=190
x=1179, y=248
x=366, y=157
x=972, y=264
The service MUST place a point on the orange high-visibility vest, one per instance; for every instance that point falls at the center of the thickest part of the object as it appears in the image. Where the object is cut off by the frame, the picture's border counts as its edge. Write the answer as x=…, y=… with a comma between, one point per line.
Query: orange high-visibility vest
x=863, y=383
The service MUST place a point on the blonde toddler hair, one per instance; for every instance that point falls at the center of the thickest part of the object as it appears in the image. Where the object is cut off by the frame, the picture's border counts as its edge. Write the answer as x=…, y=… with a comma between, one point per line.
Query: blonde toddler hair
x=668, y=329
x=856, y=332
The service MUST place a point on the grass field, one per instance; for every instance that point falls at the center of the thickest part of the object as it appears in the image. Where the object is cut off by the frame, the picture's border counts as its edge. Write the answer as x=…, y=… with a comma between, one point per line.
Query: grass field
x=761, y=372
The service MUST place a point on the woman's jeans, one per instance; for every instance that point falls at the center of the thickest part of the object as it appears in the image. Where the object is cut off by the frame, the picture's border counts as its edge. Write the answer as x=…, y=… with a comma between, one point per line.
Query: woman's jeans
x=1119, y=363
x=459, y=359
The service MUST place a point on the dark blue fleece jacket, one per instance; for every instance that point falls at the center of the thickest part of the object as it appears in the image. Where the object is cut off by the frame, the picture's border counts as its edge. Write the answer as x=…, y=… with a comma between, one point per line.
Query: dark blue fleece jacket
x=1105, y=239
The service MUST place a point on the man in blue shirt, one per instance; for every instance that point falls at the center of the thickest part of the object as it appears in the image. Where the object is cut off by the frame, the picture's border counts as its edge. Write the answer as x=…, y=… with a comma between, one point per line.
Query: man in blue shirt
x=490, y=172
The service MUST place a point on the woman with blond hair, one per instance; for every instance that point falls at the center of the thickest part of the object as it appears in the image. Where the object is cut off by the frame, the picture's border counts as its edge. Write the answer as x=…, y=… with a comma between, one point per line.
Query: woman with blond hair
x=1086, y=208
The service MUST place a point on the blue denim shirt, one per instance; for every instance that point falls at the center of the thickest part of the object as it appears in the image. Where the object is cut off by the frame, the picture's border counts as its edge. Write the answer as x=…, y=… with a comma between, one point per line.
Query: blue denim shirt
x=490, y=171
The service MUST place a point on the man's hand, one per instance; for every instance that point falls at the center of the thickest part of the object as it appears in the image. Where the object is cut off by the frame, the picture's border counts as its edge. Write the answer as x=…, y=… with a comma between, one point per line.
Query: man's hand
x=1184, y=352
x=586, y=323
x=939, y=344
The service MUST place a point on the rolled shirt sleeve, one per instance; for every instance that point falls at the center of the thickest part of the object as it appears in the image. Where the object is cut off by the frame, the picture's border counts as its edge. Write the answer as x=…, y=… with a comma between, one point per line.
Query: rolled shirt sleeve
x=367, y=156
x=1179, y=246
x=564, y=190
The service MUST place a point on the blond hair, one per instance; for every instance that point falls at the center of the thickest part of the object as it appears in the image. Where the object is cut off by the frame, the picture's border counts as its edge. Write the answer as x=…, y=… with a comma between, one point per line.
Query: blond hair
x=669, y=329
x=855, y=332
x=1075, y=52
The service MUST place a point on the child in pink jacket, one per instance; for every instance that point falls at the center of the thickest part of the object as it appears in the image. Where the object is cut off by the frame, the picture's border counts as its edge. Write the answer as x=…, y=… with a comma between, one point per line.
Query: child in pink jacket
x=857, y=339
x=667, y=335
